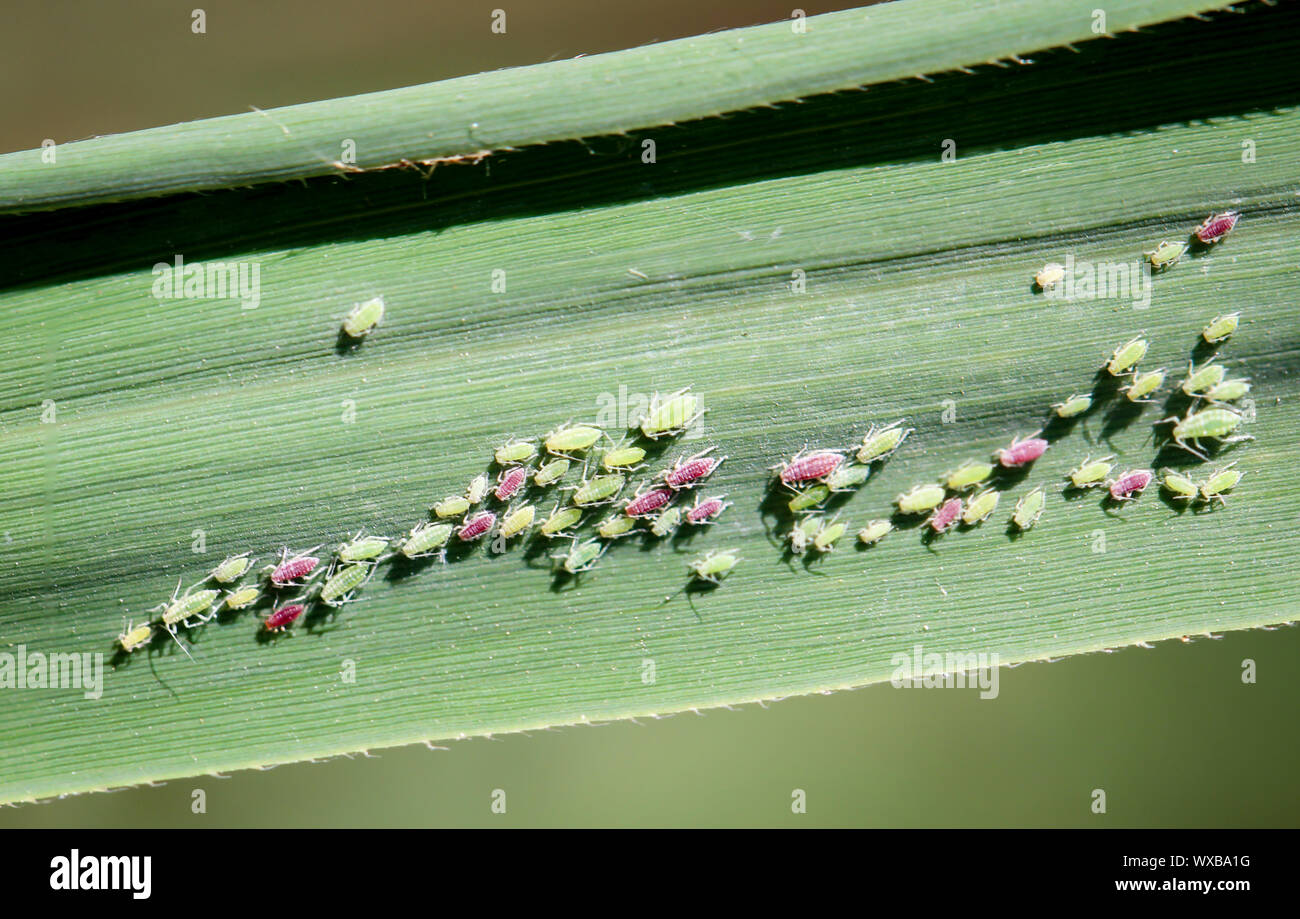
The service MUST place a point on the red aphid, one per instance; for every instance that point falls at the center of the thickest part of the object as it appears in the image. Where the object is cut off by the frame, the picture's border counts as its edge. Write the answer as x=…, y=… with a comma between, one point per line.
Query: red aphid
x=648, y=502
x=1022, y=451
x=1217, y=226
x=476, y=526
x=689, y=471
x=510, y=481
x=284, y=617
x=1129, y=485
x=816, y=465
x=942, y=520
x=287, y=572
x=706, y=510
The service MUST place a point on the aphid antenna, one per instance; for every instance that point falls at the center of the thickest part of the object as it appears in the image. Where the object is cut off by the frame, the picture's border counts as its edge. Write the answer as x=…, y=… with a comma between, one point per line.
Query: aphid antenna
x=171, y=630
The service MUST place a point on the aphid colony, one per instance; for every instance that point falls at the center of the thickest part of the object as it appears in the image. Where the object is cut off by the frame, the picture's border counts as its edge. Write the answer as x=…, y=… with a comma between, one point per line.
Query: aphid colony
x=500, y=506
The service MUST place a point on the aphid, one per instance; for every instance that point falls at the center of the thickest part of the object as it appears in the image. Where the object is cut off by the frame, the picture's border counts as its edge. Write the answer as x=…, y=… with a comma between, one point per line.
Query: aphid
x=968, y=475
x=981, y=507
x=946, y=517
x=643, y=504
x=847, y=477
x=1143, y=385
x=582, y=556
x=1022, y=452
x=667, y=520
x=715, y=565
x=476, y=526
x=424, y=538
x=874, y=532
x=340, y=585
x=1217, y=226
x=290, y=570
x=515, y=452
x=569, y=439
x=1220, y=328
x=600, y=489
x=706, y=510
x=1130, y=484
x=132, y=637
x=810, y=497
x=561, y=520
x=1165, y=255
x=1029, y=508
x=232, y=569
x=242, y=598
x=672, y=415
x=816, y=465
x=622, y=458
x=1091, y=473
x=803, y=532
x=1220, y=481
x=364, y=317
x=1211, y=422
x=1075, y=405
x=478, y=488
x=510, y=481
x=1049, y=276
x=921, y=498
x=689, y=472
x=551, y=472
x=285, y=616
x=616, y=526
x=517, y=521
x=182, y=609
x=1180, y=486
x=1125, y=357
x=1229, y=390
x=362, y=548
x=451, y=506
x=828, y=534
x=880, y=443
x=1200, y=380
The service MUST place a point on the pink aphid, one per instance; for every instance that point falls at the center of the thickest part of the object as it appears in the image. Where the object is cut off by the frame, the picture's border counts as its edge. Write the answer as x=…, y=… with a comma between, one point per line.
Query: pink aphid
x=648, y=502
x=1129, y=485
x=942, y=520
x=510, y=481
x=291, y=570
x=707, y=509
x=1217, y=226
x=689, y=472
x=284, y=617
x=1022, y=451
x=816, y=465
x=476, y=526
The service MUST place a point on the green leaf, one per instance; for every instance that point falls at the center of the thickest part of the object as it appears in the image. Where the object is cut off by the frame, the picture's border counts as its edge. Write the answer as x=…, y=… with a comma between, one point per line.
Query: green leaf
x=171, y=416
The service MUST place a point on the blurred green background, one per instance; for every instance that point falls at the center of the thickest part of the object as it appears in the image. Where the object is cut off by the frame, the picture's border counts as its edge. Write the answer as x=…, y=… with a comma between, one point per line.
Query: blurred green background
x=1171, y=734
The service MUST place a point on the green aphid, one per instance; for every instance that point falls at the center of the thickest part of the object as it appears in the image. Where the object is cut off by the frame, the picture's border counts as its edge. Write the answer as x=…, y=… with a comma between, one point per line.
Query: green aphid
x=232, y=569
x=1143, y=385
x=828, y=534
x=666, y=521
x=364, y=317
x=242, y=598
x=880, y=443
x=625, y=458
x=802, y=533
x=1165, y=255
x=600, y=489
x=451, y=506
x=1200, y=380
x=1091, y=473
x=715, y=565
x=180, y=610
x=424, y=538
x=568, y=439
x=134, y=636
x=874, y=532
x=582, y=556
x=1220, y=481
x=921, y=499
x=810, y=497
x=1180, y=486
x=362, y=548
x=981, y=507
x=846, y=477
x=1030, y=508
x=551, y=472
x=1077, y=404
x=517, y=521
x=1216, y=423
x=560, y=521
x=1125, y=357
x=672, y=415
x=1229, y=390
x=341, y=584
x=515, y=452
x=616, y=525
x=1220, y=328
x=968, y=475
x=478, y=488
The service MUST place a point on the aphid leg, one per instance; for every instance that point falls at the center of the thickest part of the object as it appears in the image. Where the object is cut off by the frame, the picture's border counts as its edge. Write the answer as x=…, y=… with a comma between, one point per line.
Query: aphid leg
x=171, y=630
